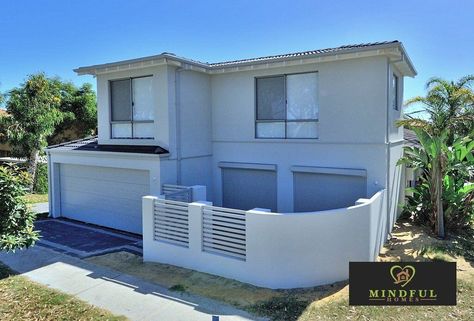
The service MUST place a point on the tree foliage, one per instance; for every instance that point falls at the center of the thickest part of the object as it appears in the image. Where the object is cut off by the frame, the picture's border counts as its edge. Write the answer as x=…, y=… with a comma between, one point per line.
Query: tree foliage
x=79, y=109
x=45, y=111
x=449, y=106
x=444, y=192
x=457, y=185
x=33, y=115
x=16, y=219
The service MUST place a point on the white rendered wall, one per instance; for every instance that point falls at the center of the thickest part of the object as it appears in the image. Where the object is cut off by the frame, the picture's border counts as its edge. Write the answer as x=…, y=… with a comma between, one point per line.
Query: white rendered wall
x=190, y=162
x=163, y=105
x=397, y=183
x=282, y=250
x=352, y=124
x=361, y=156
x=351, y=97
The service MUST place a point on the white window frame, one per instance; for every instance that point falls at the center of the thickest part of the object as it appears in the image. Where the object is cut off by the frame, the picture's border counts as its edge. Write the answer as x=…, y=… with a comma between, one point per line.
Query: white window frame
x=132, y=122
x=286, y=120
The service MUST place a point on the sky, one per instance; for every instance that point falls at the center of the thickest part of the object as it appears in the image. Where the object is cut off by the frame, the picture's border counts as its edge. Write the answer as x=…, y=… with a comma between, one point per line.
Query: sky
x=56, y=36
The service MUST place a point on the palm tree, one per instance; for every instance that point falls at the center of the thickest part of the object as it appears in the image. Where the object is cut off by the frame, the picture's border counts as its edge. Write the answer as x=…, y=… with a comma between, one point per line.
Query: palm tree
x=449, y=107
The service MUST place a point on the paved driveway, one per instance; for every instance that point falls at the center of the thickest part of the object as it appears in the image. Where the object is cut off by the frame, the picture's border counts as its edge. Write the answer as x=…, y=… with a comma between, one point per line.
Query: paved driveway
x=84, y=240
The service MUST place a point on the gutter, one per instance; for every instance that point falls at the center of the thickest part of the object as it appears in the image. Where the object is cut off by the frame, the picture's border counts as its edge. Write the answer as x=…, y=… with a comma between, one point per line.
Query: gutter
x=102, y=153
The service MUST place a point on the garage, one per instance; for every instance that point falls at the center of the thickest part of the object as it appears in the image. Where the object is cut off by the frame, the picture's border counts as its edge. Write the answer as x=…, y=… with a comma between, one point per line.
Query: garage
x=247, y=186
x=325, y=188
x=104, y=196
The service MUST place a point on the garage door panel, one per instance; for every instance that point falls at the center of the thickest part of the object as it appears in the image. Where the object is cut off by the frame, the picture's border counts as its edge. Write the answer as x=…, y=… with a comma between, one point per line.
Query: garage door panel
x=128, y=191
x=102, y=217
x=85, y=201
x=106, y=174
x=104, y=196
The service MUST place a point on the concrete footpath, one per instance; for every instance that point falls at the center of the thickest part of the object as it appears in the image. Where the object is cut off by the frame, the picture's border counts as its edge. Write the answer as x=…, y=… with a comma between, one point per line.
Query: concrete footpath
x=119, y=293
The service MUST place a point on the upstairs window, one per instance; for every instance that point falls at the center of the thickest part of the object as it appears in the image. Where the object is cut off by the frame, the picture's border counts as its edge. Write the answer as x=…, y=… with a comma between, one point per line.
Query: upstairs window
x=132, y=112
x=395, y=97
x=287, y=106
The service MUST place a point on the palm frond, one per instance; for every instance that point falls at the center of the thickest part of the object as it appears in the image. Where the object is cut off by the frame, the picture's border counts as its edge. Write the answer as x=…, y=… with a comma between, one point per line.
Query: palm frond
x=413, y=123
x=465, y=81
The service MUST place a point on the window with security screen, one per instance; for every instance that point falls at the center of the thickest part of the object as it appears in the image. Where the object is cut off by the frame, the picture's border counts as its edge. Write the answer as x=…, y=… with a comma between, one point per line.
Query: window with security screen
x=287, y=106
x=132, y=112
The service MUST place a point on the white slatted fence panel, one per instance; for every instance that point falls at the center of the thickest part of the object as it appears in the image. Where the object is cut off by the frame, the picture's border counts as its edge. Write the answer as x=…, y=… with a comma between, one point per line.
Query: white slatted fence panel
x=224, y=232
x=171, y=223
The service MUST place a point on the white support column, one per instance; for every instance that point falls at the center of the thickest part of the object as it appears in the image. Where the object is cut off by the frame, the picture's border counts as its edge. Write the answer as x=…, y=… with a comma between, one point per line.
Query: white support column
x=54, y=188
x=195, y=212
x=148, y=211
x=50, y=185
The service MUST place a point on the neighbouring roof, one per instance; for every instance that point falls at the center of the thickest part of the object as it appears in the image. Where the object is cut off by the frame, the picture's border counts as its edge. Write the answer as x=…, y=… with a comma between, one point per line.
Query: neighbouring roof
x=91, y=144
x=3, y=112
x=410, y=138
x=393, y=49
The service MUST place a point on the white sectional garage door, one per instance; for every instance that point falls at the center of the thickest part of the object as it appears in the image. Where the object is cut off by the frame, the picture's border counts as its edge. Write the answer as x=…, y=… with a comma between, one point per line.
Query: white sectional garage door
x=104, y=196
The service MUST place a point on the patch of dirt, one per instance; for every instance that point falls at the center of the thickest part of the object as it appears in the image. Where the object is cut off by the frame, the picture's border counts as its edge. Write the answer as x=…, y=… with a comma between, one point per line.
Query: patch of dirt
x=406, y=243
x=169, y=276
x=410, y=242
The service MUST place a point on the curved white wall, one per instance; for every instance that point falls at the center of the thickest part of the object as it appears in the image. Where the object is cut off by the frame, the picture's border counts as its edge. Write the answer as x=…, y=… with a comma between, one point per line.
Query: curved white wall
x=286, y=250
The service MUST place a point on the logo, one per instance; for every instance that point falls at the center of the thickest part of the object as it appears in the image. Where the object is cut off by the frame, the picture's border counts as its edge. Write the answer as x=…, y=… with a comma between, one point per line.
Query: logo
x=403, y=275
x=395, y=283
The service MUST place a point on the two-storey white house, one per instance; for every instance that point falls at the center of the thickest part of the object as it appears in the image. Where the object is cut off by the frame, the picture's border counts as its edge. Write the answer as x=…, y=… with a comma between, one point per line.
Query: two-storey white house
x=296, y=132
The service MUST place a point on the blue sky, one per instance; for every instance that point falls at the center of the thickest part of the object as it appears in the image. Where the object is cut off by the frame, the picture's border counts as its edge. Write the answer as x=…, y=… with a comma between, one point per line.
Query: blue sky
x=56, y=36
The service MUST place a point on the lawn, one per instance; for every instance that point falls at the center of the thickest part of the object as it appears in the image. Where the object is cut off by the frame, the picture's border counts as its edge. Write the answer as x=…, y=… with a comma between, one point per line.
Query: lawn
x=409, y=243
x=36, y=198
x=21, y=299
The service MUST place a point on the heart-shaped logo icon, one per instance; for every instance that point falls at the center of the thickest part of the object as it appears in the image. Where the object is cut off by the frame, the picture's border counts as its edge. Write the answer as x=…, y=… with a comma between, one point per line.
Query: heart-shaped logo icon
x=402, y=275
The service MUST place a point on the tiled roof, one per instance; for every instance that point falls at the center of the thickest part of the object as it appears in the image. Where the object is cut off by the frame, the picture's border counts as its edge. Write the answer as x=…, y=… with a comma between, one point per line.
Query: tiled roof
x=217, y=66
x=303, y=53
x=91, y=144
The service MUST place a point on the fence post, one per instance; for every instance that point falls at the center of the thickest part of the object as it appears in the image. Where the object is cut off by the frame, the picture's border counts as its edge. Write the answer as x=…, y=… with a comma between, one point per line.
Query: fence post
x=148, y=224
x=195, y=226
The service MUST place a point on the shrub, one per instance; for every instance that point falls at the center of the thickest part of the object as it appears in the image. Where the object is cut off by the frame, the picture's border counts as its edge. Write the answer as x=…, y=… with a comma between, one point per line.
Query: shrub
x=16, y=219
x=457, y=186
x=41, y=183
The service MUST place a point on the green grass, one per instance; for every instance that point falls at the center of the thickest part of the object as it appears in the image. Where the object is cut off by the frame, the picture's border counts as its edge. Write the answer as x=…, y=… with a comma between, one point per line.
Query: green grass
x=340, y=310
x=22, y=299
x=36, y=198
